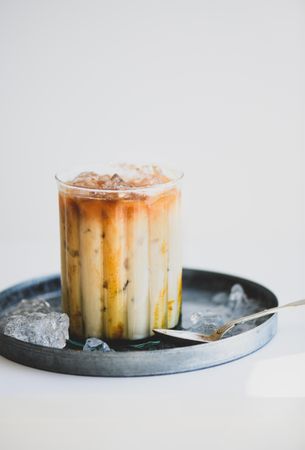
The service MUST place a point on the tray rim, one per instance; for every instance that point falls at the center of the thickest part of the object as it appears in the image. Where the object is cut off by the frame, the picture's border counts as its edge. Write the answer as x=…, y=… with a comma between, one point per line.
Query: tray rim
x=270, y=322
x=55, y=276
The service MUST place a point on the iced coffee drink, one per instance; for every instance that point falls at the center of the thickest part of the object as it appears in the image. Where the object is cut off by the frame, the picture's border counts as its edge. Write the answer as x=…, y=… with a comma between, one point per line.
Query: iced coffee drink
x=120, y=251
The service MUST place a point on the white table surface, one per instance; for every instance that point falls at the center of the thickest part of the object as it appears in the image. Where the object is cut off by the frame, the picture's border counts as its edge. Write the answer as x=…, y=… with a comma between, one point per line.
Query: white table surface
x=216, y=88
x=257, y=402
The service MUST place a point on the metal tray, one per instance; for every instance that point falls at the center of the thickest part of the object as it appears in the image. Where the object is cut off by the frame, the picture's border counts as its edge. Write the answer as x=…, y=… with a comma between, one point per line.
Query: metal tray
x=198, y=289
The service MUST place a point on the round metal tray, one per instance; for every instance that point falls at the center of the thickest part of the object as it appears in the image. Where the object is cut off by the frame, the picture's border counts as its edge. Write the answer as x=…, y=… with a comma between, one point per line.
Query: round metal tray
x=198, y=289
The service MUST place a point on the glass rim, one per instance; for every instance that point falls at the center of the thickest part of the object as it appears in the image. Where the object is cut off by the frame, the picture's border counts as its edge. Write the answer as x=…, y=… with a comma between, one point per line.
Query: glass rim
x=178, y=175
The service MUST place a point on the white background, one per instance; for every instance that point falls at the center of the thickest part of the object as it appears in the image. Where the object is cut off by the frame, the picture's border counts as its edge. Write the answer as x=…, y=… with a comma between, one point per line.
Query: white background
x=213, y=87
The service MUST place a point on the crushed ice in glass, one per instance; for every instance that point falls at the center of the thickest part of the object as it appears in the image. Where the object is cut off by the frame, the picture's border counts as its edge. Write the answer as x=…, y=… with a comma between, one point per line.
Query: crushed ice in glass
x=122, y=176
x=226, y=306
x=114, y=182
x=47, y=329
x=94, y=344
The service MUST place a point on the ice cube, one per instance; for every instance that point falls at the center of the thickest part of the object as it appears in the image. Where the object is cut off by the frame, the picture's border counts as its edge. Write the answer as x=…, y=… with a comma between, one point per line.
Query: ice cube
x=49, y=330
x=28, y=306
x=237, y=293
x=122, y=176
x=220, y=298
x=86, y=179
x=118, y=182
x=237, y=297
x=94, y=344
x=196, y=318
x=205, y=322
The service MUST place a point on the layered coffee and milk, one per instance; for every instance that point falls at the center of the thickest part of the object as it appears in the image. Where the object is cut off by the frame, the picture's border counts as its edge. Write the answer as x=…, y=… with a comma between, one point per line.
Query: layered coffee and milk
x=120, y=252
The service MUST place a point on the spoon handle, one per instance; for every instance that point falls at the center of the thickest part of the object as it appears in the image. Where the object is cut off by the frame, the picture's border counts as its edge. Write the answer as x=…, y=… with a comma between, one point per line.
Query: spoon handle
x=229, y=325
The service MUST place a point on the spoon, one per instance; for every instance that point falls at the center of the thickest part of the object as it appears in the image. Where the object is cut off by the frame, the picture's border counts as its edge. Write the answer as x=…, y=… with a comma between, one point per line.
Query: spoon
x=221, y=331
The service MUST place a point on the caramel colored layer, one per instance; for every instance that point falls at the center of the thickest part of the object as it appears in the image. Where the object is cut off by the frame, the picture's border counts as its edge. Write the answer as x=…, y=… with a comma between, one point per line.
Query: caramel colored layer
x=121, y=265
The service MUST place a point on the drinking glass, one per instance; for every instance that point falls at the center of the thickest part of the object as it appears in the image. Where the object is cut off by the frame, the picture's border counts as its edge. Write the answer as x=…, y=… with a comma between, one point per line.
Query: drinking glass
x=121, y=271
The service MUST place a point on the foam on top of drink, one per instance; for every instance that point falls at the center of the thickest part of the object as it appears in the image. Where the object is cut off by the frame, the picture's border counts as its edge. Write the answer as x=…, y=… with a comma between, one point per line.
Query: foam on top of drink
x=123, y=177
